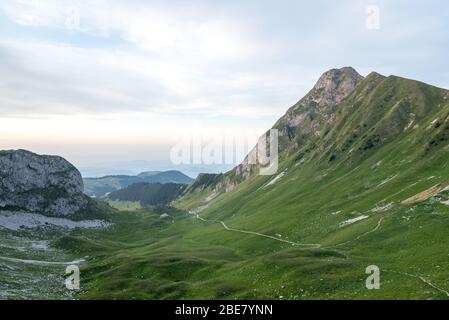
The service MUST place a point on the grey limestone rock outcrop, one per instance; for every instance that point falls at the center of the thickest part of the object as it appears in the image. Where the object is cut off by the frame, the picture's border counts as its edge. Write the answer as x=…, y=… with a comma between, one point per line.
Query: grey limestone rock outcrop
x=40, y=184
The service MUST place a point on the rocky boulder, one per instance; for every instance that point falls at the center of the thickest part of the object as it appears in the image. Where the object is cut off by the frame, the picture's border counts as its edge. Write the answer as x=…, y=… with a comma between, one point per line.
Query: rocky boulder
x=40, y=184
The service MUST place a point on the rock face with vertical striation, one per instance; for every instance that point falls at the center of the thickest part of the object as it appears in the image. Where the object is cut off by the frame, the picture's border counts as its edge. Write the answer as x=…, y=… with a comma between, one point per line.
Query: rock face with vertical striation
x=310, y=114
x=335, y=85
x=40, y=183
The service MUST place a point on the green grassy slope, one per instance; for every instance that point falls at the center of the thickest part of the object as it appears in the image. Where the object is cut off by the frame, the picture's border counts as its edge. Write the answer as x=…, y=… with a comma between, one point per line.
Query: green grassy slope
x=369, y=189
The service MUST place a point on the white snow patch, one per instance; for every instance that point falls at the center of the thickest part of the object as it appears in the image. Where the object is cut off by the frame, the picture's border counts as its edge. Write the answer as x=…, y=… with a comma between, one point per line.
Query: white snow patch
x=275, y=179
x=387, y=180
x=211, y=196
x=409, y=125
x=382, y=208
x=42, y=263
x=432, y=124
x=445, y=202
x=40, y=245
x=18, y=220
x=353, y=220
x=377, y=164
x=336, y=212
x=434, y=121
x=300, y=162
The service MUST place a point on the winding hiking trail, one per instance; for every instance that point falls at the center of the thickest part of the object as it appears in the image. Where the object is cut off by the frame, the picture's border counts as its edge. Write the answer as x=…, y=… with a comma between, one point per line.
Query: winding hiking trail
x=427, y=282
x=310, y=245
x=319, y=246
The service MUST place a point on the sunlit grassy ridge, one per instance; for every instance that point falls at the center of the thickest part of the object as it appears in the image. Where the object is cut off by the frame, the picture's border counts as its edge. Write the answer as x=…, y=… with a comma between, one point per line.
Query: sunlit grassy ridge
x=369, y=190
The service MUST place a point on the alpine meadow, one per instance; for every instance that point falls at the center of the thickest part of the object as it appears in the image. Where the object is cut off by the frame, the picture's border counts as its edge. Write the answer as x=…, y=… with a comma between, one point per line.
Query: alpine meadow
x=216, y=159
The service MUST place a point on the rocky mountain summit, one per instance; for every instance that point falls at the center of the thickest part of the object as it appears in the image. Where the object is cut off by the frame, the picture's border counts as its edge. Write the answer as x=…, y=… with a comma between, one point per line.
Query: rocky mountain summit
x=335, y=85
x=40, y=184
x=307, y=118
x=317, y=109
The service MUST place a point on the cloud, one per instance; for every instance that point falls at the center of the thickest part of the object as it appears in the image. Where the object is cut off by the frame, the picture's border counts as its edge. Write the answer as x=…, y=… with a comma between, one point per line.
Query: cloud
x=164, y=62
x=229, y=63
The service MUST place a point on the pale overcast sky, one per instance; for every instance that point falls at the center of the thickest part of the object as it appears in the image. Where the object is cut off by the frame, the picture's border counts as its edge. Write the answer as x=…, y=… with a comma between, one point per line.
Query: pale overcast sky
x=108, y=81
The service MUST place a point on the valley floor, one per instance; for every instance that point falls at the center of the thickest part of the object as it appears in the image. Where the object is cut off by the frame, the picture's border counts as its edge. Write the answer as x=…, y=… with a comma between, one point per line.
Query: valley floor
x=187, y=256
x=211, y=253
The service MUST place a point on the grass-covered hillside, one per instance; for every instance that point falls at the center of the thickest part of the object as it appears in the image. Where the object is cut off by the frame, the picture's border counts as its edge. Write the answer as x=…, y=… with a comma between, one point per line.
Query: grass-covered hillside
x=363, y=180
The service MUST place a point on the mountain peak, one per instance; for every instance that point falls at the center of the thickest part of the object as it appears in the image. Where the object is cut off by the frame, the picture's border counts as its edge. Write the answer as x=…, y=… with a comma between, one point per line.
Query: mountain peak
x=334, y=85
x=337, y=75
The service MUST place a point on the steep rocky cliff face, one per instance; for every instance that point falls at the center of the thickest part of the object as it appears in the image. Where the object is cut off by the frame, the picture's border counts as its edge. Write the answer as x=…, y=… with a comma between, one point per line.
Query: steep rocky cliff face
x=40, y=184
x=312, y=114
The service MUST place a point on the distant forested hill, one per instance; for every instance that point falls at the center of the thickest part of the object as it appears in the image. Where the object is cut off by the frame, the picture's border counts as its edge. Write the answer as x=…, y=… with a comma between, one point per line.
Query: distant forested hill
x=149, y=194
x=99, y=187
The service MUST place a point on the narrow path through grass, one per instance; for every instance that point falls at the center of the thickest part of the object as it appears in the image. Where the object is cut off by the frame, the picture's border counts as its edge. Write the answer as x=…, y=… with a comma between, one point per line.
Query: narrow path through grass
x=311, y=245
x=426, y=281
